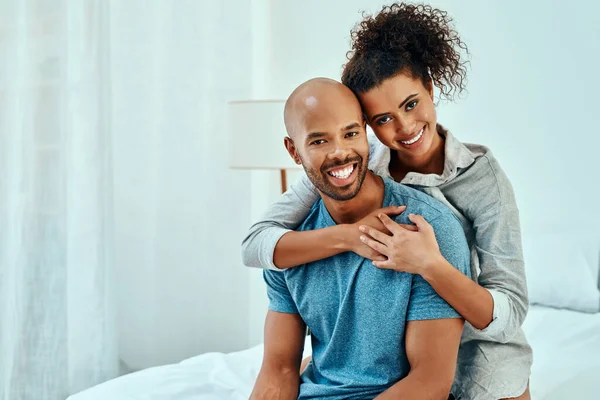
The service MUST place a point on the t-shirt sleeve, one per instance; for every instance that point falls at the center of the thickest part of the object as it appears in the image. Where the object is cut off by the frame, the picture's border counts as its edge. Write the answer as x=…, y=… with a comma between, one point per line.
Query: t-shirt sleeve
x=280, y=298
x=424, y=302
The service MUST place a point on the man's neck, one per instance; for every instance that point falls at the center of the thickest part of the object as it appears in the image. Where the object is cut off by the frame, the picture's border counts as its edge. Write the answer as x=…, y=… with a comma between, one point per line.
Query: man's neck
x=369, y=198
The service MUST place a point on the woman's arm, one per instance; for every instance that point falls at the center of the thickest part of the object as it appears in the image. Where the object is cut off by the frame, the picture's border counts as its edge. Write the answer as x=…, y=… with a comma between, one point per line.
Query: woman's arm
x=296, y=248
x=272, y=244
x=498, y=304
x=499, y=248
x=287, y=213
x=472, y=301
x=421, y=252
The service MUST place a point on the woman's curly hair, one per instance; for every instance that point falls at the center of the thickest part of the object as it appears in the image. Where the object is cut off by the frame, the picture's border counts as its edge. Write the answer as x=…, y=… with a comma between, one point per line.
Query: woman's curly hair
x=402, y=37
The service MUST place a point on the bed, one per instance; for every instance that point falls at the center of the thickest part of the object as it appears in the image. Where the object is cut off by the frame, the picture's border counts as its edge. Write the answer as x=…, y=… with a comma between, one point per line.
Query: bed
x=566, y=349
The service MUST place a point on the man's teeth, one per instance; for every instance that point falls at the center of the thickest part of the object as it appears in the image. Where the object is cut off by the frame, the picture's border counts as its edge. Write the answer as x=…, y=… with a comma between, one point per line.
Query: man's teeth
x=413, y=140
x=342, y=173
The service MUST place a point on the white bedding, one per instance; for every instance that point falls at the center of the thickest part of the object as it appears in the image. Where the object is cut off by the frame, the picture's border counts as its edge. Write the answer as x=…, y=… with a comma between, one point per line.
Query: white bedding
x=566, y=347
x=566, y=351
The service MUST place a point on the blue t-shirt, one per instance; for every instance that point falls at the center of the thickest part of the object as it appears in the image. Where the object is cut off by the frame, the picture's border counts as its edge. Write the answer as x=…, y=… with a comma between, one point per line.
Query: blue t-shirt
x=356, y=312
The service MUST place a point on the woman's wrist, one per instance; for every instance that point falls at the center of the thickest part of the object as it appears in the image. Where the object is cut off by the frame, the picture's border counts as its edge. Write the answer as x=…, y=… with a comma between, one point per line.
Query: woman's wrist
x=343, y=237
x=429, y=270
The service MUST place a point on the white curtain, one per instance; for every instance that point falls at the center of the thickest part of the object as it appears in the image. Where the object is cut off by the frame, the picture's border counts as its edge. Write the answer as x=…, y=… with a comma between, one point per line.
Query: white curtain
x=57, y=322
x=114, y=188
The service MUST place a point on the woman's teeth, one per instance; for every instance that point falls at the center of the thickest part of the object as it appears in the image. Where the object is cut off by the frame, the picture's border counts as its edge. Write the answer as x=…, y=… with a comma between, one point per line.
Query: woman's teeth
x=342, y=173
x=413, y=140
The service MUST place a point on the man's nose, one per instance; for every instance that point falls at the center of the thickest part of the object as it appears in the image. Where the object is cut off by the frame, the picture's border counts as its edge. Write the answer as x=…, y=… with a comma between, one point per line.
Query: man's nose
x=340, y=151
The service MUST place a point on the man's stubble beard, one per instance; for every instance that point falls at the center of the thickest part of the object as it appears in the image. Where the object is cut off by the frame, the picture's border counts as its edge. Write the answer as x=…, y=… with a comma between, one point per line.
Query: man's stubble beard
x=321, y=181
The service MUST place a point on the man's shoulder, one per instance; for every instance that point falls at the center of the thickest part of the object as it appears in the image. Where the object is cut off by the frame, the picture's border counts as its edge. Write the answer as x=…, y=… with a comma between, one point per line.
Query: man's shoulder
x=416, y=201
x=314, y=219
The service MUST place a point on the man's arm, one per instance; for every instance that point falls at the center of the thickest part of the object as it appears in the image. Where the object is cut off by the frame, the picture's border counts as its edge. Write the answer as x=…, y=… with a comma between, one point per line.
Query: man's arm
x=432, y=350
x=279, y=376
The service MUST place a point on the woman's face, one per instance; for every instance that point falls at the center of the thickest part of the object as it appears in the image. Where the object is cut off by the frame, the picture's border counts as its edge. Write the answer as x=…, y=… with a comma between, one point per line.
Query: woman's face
x=402, y=114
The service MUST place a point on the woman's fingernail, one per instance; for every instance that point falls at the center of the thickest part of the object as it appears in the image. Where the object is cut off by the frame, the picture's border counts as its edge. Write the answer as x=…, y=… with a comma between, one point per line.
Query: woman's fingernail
x=362, y=228
x=363, y=239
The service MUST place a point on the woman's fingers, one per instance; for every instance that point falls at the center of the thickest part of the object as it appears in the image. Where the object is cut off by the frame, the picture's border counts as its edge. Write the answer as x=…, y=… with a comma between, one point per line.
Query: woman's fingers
x=378, y=257
x=383, y=264
x=374, y=244
x=408, y=227
x=419, y=221
x=375, y=234
x=390, y=224
x=392, y=210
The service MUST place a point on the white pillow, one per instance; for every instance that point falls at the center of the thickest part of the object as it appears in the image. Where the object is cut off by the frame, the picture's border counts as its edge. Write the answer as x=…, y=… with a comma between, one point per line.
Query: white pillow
x=562, y=270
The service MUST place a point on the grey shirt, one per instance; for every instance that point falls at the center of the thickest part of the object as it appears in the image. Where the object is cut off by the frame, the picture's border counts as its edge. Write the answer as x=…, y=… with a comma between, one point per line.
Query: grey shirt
x=494, y=362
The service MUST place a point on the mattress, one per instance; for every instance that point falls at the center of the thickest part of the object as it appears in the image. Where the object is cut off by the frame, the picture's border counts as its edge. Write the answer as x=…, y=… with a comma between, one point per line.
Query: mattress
x=566, y=366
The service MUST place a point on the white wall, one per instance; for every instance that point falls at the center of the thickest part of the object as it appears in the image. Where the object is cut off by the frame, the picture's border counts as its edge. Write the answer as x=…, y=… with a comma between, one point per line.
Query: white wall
x=532, y=94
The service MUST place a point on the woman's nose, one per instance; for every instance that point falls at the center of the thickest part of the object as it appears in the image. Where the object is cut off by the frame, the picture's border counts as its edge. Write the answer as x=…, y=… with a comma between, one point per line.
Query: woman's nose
x=404, y=126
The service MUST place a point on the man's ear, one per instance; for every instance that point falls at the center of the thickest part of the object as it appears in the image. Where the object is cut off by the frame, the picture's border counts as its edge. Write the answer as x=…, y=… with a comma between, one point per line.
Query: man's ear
x=291, y=148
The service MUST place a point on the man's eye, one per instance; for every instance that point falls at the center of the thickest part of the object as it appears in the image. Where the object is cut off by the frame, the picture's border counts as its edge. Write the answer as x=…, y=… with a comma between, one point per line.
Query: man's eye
x=384, y=120
x=411, y=105
x=351, y=134
x=317, y=142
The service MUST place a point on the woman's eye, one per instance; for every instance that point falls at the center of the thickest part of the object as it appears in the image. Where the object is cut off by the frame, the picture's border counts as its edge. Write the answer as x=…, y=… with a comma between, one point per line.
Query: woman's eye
x=411, y=105
x=351, y=134
x=383, y=120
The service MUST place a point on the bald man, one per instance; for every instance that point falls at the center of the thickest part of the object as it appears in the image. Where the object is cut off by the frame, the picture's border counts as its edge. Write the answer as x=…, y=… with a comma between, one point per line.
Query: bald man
x=375, y=333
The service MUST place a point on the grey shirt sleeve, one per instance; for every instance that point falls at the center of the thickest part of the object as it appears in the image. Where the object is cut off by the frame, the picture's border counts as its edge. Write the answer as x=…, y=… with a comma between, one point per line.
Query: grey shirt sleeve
x=499, y=249
x=281, y=217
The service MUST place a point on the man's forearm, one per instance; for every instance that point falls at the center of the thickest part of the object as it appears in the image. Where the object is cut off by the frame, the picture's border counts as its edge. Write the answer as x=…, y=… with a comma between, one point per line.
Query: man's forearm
x=418, y=386
x=297, y=248
x=276, y=384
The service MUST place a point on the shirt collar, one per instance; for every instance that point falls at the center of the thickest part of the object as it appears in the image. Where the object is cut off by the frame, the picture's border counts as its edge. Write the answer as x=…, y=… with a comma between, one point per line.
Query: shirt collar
x=457, y=155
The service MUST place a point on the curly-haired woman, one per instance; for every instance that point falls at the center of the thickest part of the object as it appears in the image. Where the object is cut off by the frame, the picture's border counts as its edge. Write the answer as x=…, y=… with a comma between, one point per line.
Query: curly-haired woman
x=398, y=58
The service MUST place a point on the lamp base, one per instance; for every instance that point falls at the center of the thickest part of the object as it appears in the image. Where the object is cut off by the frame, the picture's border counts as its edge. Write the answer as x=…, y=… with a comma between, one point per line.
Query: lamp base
x=283, y=181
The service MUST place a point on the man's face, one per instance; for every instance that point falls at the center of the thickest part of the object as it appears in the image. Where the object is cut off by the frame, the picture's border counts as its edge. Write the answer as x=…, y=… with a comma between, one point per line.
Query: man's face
x=330, y=142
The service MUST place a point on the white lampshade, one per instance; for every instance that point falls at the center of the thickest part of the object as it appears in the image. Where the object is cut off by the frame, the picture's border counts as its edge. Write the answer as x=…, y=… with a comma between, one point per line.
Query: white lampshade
x=257, y=131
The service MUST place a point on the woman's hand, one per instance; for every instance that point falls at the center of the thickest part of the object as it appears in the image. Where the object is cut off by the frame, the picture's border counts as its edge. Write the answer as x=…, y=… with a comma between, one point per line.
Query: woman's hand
x=372, y=220
x=406, y=249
